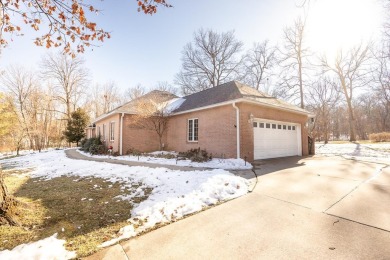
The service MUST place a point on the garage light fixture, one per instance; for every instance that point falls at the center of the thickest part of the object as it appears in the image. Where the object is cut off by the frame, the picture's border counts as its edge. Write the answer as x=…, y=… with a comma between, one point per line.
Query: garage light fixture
x=251, y=118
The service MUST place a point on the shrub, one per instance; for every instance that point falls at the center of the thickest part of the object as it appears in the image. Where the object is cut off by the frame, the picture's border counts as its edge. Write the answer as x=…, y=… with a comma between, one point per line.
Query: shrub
x=82, y=142
x=133, y=152
x=97, y=149
x=380, y=137
x=196, y=155
x=89, y=142
x=162, y=155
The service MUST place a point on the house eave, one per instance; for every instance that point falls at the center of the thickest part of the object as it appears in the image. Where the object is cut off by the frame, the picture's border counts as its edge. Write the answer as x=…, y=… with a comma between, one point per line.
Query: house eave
x=306, y=113
x=110, y=114
x=244, y=100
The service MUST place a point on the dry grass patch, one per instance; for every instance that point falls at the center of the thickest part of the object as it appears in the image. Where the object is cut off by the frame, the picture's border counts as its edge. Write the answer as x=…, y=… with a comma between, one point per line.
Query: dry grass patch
x=83, y=211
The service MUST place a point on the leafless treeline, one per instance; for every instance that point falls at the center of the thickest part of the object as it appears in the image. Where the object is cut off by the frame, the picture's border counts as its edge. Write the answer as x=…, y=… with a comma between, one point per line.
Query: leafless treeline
x=39, y=102
x=348, y=94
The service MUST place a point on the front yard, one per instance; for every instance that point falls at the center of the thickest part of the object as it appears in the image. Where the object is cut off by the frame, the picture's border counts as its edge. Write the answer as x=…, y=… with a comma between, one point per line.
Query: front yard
x=361, y=151
x=93, y=204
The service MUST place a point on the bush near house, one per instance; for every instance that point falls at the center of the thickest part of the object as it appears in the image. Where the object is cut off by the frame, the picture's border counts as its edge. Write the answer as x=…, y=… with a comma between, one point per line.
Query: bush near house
x=93, y=146
x=197, y=155
x=380, y=137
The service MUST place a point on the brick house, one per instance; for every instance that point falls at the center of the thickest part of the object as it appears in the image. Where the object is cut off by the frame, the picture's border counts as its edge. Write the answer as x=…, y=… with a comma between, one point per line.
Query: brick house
x=231, y=120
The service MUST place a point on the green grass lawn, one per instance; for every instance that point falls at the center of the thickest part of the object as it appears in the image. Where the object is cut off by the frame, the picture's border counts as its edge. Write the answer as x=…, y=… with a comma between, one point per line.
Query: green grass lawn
x=83, y=211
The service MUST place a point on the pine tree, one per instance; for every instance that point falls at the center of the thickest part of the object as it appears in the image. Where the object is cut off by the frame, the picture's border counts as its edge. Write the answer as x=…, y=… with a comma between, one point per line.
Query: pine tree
x=75, y=130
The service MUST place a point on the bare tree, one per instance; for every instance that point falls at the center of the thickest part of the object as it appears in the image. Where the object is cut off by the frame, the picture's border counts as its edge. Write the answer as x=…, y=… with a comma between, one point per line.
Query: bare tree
x=153, y=112
x=20, y=83
x=166, y=86
x=294, y=61
x=381, y=78
x=69, y=76
x=134, y=92
x=208, y=61
x=324, y=96
x=258, y=64
x=351, y=73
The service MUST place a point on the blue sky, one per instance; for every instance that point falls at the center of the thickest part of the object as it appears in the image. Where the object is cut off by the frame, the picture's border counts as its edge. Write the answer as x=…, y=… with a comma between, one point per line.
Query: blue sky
x=146, y=49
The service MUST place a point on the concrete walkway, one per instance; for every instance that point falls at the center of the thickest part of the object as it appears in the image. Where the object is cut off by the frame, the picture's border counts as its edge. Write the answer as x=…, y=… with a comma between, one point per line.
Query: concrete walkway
x=313, y=208
x=74, y=154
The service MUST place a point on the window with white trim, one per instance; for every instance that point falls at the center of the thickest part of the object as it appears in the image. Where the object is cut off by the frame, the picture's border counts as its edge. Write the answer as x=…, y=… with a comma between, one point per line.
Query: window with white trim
x=193, y=130
x=112, y=131
x=104, y=132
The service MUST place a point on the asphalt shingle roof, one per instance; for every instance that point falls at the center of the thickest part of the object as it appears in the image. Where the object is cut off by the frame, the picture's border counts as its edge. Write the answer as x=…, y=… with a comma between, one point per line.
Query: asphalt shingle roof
x=226, y=92
x=231, y=91
x=131, y=106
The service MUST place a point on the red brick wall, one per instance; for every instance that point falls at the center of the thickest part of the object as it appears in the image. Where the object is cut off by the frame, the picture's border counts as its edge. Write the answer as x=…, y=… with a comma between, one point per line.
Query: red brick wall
x=139, y=138
x=217, y=133
x=246, y=131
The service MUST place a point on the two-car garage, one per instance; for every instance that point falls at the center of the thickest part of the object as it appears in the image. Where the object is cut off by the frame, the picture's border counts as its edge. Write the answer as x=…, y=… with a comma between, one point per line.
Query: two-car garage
x=276, y=139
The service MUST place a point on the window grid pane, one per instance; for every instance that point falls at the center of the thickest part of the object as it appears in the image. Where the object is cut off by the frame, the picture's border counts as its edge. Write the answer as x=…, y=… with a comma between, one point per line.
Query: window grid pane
x=273, y=126
x=190, y=127
x=267, y=125
x=261, y=125
x=112, y=127
x=254, y=124
x=195, y=129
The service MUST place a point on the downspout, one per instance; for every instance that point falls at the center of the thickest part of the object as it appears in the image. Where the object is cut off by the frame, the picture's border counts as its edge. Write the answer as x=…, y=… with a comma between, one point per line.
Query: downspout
x=121, y=135
x=238, y=128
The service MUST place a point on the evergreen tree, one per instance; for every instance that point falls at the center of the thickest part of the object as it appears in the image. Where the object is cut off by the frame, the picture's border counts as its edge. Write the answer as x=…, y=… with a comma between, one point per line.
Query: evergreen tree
x=75, y=130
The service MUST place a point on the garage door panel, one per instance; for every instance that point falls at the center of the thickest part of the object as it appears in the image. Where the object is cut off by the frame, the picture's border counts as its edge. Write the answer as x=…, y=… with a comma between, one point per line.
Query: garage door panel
x=275, y=142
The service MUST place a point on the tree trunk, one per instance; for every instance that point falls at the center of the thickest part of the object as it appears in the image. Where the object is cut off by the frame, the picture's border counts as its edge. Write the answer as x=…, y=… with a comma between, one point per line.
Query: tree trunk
x=7, y=205
x=351, y=121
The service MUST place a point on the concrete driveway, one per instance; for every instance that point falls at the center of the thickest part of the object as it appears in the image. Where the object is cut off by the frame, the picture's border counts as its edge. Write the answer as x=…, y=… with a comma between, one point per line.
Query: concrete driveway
x=312, y=208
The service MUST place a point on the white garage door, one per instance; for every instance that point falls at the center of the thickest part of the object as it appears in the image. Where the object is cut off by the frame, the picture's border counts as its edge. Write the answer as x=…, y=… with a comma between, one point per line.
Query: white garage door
x=276, y=139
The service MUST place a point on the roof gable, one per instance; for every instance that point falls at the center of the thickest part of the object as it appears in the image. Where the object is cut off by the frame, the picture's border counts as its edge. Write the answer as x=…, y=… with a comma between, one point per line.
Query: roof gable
x=157, y=96
x=222, y=93
x=231, y=91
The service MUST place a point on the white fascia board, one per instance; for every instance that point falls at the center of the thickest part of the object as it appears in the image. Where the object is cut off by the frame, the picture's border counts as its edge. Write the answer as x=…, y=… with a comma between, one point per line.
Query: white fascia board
x=205, y=107
x=275, y=107
x=108, y=115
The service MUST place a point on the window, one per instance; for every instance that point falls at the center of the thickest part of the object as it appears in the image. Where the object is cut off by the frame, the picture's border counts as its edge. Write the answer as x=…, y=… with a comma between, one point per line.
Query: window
x=261, y=125
x=289, y=127
x=267, y=125
x=112, y=131
x=193, y=130
x=104, y=132
x=254, y=124
x=279, y=126
x=293, y=128
x=99, y=133
x=284, y=127
x=273, y=126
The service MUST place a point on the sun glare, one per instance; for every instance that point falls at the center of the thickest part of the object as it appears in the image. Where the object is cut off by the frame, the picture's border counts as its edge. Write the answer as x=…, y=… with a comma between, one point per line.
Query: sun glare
x=342, y=24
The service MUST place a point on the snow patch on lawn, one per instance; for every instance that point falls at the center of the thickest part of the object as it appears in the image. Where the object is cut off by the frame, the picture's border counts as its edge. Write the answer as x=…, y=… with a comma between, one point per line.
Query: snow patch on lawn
x=215, y=163
x=376, y=152
x=174, y=193
x=48, y=248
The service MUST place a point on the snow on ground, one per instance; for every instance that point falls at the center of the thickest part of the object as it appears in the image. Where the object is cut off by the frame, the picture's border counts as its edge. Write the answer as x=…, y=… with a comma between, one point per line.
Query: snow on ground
x=375, y=152
x=48, y=248
x=175, y=193
x=215, y=163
